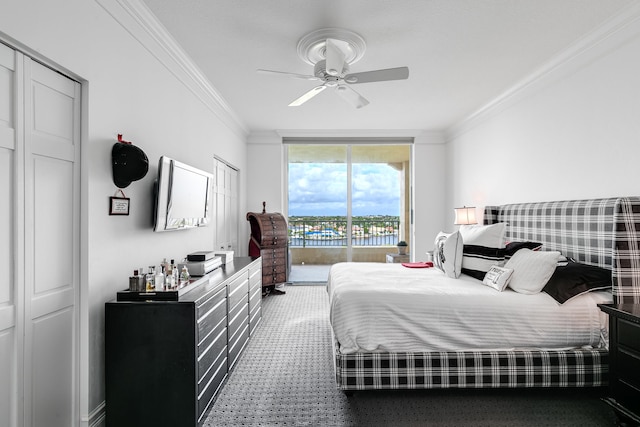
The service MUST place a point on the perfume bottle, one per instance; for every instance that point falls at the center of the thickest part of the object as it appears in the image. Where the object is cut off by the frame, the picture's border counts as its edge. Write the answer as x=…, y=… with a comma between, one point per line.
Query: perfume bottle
x=142, y=282
x=167, y=276
x=150, y=279
x=159, y=279
x=175, y=274
x=133, y=281
x=184, y=276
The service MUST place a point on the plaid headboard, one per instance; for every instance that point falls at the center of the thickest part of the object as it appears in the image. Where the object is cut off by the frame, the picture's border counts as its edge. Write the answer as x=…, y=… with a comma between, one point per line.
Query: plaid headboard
x=602, y=232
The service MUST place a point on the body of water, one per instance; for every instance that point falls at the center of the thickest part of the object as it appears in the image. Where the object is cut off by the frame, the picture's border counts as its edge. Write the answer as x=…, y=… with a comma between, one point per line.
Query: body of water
x=390, y=240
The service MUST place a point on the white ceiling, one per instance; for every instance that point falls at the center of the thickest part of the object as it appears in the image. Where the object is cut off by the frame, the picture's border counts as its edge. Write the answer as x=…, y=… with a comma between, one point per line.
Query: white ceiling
x=461, y=54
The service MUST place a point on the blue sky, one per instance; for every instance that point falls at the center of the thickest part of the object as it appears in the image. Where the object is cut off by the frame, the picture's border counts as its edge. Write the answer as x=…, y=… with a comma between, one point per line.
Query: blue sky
x=320, y=189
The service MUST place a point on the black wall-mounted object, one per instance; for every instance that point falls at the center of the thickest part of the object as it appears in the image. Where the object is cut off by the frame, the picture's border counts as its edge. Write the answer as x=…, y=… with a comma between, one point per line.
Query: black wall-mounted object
x=129, y=163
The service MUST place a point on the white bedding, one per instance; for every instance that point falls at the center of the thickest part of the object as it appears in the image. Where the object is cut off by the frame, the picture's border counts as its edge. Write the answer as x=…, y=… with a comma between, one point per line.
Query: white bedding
x=377, y=307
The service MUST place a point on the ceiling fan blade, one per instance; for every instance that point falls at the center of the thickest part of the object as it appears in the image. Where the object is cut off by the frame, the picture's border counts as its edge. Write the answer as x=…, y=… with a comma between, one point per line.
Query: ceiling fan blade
x=307, y=96
x=335, y=56
x=351, y=96
x=399, y=73
x=283, y=73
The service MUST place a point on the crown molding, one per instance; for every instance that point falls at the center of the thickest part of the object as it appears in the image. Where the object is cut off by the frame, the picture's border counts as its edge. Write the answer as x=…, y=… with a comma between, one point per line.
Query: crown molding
x=349, y=133
x=595, y=44
x=362, y=135
x=419, y=136
x=136, y=18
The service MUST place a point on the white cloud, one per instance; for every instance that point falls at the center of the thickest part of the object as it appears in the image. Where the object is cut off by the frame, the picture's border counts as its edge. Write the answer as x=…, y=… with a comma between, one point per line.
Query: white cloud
x=321, y=189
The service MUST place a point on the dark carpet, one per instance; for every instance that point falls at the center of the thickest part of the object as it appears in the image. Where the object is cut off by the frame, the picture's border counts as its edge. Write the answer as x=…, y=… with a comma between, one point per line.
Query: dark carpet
x=285, y=378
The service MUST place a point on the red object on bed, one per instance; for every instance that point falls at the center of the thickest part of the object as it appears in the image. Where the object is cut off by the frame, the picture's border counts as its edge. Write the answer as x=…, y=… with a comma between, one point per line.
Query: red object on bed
x=425, y=264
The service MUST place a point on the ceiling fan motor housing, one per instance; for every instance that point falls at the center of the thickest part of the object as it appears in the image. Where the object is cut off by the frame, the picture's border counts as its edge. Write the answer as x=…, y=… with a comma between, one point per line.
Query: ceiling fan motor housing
x=320, y=71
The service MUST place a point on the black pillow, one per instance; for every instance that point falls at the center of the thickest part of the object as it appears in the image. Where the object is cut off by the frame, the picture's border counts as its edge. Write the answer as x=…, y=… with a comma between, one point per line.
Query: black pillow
x=574, y=279
x=513, y=247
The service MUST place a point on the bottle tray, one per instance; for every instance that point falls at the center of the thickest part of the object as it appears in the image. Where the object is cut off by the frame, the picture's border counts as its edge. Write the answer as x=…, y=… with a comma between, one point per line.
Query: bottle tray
x=128, y=295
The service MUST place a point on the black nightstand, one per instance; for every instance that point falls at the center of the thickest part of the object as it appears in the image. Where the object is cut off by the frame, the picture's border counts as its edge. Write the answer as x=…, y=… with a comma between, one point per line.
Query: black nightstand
x=624, y=361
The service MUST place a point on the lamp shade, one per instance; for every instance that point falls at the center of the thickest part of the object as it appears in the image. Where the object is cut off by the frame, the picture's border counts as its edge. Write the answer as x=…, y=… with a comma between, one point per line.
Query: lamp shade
x=465, y=216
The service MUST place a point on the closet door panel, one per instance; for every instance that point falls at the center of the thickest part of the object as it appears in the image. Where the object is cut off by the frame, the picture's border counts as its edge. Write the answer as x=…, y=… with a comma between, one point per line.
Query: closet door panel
x=8, y=248
x=7, y=185
x=51, y=245
x=6, y=231
x=7, y=380
x=7, y=98
x=226, y=206
x=234, y=208
x=53, y=225
x=53, y=122
x=219, y=195
x=52, y=338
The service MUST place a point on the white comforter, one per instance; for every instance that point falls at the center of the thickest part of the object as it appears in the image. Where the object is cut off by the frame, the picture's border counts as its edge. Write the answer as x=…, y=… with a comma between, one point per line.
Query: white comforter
x=379, y=307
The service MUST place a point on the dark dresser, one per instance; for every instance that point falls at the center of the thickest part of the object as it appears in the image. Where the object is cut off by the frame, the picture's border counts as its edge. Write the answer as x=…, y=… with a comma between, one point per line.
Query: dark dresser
x=624, y=361
x=269, y=240
x=167, y=354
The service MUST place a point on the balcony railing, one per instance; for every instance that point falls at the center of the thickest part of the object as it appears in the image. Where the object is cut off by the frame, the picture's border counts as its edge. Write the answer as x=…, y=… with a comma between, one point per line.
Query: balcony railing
x=312, y=233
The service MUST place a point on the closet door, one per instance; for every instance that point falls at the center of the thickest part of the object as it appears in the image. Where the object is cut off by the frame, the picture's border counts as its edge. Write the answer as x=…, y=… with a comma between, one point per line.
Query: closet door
x=226, y=189
x=51, y=245
x=8, y=230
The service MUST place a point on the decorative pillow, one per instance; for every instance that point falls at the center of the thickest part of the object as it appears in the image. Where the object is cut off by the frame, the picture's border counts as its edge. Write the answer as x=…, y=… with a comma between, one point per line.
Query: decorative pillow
x=513, y=247
x=498, y=278
x=531, y=270
x=483, y=248
x=447, y=255
x=575, y=279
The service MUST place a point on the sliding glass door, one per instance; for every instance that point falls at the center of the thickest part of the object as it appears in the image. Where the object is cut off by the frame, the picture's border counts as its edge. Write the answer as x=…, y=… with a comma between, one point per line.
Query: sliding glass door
x=347, y=202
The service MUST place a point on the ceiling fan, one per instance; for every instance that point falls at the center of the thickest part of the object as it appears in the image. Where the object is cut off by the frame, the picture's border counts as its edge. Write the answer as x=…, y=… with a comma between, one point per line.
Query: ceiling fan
x=331, y=57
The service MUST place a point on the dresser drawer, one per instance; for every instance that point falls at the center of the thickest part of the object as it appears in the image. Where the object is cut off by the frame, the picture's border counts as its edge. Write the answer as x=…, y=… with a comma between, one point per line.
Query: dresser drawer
x=214, y=352
x=273, y=257
x=238, y=317
x=255, y=298
x=211, y=320
x=210, y=385
x=629, y=367
x=628, y=396
x=629, y=334
x=238, y=290
x=255, y=278
x=237, y=344
x=206, y=302
x=254, y=319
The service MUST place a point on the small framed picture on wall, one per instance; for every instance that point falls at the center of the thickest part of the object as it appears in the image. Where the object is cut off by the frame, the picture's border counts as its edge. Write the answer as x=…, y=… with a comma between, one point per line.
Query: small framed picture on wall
x=119, y=205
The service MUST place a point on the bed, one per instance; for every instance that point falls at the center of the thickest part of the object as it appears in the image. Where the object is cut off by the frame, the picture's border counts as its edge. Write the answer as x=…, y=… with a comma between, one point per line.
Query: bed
x=598, y=232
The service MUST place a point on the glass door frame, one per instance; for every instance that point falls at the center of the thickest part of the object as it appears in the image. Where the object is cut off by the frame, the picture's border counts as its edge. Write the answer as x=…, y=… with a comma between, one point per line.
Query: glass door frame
x=348, y=143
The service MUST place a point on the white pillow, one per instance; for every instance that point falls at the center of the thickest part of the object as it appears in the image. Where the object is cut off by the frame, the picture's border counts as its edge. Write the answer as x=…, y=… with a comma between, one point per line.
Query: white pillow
x=483, y=248
x=497, y=278
x=531, y=270
x=447, y=255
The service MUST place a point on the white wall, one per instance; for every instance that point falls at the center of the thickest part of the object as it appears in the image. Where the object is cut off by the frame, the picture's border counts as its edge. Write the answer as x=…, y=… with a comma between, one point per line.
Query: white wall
x=572, y=131
x=429, y=190
x=130, y=88
x=266, y=173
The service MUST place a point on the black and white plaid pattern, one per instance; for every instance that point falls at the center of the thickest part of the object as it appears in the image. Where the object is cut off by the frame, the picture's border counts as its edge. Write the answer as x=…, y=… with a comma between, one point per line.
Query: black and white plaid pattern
x=471, y=369
x=601, y=232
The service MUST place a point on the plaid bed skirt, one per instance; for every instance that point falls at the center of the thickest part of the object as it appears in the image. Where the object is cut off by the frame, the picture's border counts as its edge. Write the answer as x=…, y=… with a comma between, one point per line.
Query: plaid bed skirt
x=477, y=369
